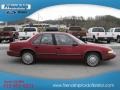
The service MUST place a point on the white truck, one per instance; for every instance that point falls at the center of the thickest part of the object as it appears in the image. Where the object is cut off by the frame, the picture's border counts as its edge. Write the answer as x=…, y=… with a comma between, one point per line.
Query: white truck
x=99, y=34
x=28, y=32
x=116, y=33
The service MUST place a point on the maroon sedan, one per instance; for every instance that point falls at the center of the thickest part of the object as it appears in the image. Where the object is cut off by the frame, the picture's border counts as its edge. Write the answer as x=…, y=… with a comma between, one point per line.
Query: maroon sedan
x=59, y=46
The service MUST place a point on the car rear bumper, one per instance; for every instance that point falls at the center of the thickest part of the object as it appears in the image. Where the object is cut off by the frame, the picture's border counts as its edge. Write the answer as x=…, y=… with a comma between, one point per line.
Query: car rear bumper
x=12, y=53
x=109, y=56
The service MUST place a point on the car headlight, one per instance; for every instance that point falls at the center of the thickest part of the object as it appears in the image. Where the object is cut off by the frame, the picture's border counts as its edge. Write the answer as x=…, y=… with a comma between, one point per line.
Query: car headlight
x=111, y=51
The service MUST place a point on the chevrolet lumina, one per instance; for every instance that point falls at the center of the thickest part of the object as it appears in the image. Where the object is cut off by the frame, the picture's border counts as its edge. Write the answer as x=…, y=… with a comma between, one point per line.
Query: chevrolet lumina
x=59, y=46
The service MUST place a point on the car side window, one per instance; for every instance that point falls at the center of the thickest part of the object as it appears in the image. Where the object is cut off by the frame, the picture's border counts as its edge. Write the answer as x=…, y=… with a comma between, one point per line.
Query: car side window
x=98, y=30
x=117, y=30
x=47, y=39
x=37, y=41
x=64, y=40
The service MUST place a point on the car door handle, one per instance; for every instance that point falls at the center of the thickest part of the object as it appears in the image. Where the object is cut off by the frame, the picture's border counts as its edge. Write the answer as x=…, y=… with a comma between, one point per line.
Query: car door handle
x=58, y=48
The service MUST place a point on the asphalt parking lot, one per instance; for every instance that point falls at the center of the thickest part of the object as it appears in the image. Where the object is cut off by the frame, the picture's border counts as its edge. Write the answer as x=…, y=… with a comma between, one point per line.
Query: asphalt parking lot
x=58, y=69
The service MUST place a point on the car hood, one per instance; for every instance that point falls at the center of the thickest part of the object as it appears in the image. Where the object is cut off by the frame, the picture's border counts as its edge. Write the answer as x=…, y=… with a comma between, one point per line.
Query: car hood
x=93, y=45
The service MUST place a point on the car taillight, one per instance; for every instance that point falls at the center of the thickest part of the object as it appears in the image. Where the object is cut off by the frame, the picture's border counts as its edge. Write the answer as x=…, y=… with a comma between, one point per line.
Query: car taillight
x=97, y=34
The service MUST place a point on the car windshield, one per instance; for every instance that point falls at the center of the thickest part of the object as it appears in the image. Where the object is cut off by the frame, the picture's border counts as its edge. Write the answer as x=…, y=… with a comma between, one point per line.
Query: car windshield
x=98, y=30
x=76, y=39
x=117, y=30
x=9, y=29
x=29, y=30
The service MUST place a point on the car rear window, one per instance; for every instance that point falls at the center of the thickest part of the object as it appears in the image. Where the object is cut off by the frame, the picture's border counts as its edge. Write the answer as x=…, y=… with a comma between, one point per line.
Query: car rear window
x=9, y=29
x=117, y=30
x=98, y=30
x=29, y=29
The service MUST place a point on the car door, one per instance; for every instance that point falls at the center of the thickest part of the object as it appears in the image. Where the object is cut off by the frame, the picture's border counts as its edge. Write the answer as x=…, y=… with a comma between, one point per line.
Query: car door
x=67, y=47
x=46, y=49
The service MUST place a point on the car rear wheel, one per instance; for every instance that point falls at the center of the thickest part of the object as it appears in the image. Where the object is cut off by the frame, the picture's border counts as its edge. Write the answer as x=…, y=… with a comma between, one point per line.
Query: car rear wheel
x=92, y=59
x=28, y=58
x=118, y=39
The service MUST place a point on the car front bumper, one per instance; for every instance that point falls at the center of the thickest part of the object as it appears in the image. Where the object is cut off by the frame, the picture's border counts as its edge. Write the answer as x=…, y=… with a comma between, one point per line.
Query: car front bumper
x=109, y=56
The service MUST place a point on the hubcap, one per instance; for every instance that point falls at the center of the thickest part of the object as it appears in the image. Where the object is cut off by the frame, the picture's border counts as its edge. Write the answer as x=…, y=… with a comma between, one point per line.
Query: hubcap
x=27, y=58
x=92, y=60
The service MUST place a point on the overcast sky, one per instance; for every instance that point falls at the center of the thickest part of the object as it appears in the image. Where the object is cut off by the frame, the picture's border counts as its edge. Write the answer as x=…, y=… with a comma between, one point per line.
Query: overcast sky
x=58, y=11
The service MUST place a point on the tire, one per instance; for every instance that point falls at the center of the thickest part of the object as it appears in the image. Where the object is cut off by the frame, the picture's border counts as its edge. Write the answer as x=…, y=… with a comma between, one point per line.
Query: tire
x=16, y=36
x=95, y=40
x=118, y=39
x=92, y=59
x=0, y=41
x=108, y=41
x=28, y=58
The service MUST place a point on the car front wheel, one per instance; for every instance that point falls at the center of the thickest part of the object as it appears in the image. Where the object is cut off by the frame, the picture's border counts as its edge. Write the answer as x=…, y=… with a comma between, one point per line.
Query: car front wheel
x=92, y=59
x=28, y=58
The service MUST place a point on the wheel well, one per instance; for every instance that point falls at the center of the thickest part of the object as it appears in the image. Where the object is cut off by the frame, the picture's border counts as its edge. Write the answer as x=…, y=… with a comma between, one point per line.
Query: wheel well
x=93, y=36
x=93, y=52
x=27, y=50
x=118, y=36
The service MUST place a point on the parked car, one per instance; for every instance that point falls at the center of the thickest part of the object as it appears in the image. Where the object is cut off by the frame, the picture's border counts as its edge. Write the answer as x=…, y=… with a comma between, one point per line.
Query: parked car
x=78, y=32
x=9, y=33
x=99, y=34
x=28, y=32
x=59, y=46
x=116, y=33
